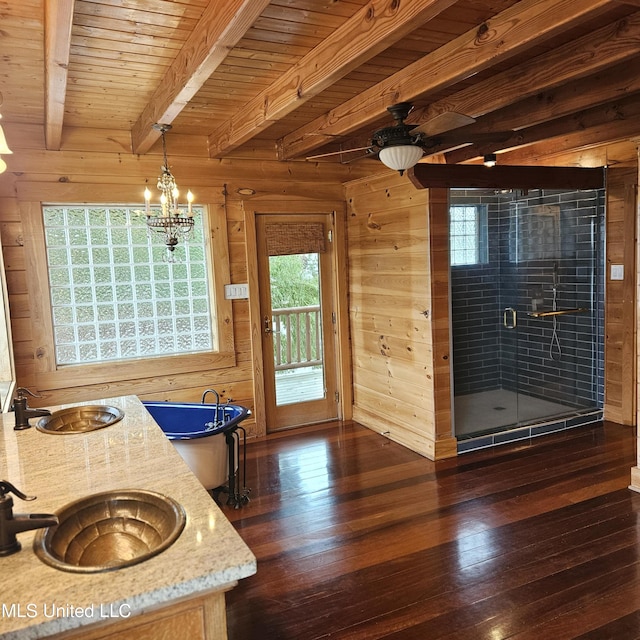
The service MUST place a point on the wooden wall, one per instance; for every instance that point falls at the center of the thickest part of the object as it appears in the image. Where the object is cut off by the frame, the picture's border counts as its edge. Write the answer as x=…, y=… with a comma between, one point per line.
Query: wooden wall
x=398, y=253
x=635, y=214
x=620, y=308
x=397, y=273
x=236, y=181
x=396, y=285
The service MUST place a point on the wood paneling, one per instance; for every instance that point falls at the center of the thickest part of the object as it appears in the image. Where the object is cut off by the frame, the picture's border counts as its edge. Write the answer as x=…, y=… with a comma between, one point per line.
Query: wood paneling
x=445, y=442
x=397, y=312
x=390, y=266
x=105, y=175
x=521, y=26
x=620, y=295
x=551, y=70
x=343, y=49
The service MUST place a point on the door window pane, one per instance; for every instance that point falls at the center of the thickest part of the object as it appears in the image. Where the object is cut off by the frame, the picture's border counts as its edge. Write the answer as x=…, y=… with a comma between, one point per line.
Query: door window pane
x=297, y=328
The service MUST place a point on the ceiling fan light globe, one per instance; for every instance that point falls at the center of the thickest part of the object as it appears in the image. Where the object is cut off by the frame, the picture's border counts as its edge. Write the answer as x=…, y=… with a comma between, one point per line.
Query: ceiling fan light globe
x=400, y=157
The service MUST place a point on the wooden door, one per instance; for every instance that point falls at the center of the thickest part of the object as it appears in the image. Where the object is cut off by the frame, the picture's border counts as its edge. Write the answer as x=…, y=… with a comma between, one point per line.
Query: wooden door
x=297, y=318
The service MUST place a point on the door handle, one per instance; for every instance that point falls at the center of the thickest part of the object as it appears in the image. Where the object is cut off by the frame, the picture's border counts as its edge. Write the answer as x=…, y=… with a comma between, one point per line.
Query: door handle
x=267, y=327
x=509, y=323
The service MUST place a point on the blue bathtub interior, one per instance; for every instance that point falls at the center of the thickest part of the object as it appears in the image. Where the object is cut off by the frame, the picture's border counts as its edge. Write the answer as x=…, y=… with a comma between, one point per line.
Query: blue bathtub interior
x=188, y=420
x=191, y=420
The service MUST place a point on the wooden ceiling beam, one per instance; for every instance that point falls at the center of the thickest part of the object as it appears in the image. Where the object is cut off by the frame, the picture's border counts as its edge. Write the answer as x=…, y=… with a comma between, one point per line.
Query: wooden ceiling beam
x=512, y=125
x=626, y=110
x=608, y=85
x=572, y=142
x=222, y=25
x=58, y=19
x=523, y=25
x=444, y=176
x=374, y=28
x=598, y=50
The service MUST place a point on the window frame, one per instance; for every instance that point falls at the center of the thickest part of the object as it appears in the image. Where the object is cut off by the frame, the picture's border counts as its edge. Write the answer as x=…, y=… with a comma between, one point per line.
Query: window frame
x=49, y=375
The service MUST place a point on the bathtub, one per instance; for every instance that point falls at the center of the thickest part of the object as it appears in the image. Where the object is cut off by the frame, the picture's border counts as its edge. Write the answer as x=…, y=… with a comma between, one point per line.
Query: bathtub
x=200, y=437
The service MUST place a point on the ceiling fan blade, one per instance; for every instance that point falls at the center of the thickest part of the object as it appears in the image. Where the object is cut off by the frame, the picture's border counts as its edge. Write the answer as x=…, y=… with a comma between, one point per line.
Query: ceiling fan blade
x=456, y=139
x=443, y=122
x=338, y=153
x=369, y=154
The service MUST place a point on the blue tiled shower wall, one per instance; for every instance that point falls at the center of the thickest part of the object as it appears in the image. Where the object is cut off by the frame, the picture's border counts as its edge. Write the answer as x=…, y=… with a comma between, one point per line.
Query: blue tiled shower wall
x=534, y=239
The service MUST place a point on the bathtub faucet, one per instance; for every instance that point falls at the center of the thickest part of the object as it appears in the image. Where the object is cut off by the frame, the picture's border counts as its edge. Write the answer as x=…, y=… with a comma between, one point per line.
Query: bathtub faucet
x=216, y=420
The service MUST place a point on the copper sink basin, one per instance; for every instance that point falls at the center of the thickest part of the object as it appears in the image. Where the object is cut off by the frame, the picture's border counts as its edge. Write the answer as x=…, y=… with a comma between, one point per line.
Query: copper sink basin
x=80, y=419
x=111, y=530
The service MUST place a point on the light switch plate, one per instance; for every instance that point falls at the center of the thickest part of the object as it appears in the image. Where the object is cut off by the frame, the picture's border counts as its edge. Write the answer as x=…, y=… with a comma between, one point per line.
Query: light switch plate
x=236, y=291
x=617, y=272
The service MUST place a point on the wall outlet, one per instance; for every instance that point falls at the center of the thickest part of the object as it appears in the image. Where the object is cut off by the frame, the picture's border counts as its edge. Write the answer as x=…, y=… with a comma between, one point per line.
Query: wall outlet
x=617, y=272
x=236, y=291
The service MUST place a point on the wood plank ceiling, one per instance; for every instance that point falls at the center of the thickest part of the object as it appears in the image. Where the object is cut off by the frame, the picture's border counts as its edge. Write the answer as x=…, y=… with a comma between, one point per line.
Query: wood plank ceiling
x=285, y=79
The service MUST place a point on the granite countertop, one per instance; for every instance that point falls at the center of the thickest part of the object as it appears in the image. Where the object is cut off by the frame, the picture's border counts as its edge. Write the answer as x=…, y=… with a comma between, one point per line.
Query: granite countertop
x=131, y=454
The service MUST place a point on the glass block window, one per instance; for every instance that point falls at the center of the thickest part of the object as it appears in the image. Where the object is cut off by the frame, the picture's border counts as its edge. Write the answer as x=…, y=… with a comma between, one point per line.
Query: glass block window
x=114, y=296
x=468, y=235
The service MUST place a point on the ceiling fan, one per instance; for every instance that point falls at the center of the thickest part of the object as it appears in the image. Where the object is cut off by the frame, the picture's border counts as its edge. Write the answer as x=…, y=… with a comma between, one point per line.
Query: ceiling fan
x=400, y=146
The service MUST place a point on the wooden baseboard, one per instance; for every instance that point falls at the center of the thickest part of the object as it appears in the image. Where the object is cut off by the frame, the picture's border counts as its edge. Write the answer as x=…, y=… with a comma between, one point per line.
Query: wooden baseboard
x=635, y=479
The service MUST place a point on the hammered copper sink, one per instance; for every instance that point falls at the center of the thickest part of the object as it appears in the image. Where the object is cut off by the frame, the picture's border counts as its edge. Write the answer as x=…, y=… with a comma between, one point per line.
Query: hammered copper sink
x=80, y=419
x=110, y=530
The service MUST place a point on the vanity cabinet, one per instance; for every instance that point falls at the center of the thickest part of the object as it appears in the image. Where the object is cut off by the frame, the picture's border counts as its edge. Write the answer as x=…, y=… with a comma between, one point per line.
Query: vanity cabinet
x=178, y=593
x=199, y=618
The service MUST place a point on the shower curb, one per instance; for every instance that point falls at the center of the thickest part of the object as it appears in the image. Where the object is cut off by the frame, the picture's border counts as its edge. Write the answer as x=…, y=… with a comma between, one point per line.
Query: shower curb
x=570, y=421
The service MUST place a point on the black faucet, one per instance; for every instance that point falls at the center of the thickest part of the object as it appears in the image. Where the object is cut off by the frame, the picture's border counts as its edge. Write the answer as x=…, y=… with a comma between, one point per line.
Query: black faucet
x=23, y=413
x=216, y=420
x=11, y=524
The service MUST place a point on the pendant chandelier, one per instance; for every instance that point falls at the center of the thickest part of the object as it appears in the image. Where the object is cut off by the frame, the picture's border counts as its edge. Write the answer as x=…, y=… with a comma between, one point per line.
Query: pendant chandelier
x=170, y=219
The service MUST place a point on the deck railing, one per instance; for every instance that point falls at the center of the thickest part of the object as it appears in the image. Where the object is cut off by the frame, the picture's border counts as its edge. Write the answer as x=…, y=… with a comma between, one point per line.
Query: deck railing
x=297, y=337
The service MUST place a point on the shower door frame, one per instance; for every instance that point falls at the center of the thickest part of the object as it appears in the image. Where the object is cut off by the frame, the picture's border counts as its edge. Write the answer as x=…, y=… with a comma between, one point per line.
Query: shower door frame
x=516, y=310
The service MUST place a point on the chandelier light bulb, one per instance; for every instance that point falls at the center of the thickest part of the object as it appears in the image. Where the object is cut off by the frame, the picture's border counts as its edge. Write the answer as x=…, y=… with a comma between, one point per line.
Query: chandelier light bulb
x=189, y=203
x=147, y=201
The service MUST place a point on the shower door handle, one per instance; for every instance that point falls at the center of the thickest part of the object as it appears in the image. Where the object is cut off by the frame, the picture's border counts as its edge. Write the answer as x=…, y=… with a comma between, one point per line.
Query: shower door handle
x=509, y=318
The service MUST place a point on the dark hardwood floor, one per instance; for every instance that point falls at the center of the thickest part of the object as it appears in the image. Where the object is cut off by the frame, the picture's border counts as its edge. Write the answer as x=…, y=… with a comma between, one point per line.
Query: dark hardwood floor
x=357, y=537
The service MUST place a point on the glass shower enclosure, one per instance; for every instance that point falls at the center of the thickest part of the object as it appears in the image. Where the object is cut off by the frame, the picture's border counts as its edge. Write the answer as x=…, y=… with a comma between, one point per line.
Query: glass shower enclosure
x=527, y=311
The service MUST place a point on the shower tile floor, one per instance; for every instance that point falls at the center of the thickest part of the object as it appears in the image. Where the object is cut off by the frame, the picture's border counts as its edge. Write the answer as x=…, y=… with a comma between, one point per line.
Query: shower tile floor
x=488, y=410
